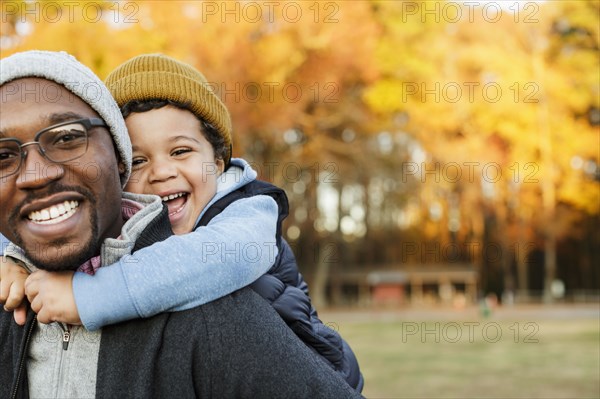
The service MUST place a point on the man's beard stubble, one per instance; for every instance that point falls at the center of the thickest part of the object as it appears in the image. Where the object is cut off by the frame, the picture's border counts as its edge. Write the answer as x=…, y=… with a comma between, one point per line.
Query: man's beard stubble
x=70, y=255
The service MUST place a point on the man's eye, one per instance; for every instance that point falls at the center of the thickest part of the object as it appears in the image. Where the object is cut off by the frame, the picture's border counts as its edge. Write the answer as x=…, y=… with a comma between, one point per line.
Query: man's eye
x=8, y=154
x=71, y=136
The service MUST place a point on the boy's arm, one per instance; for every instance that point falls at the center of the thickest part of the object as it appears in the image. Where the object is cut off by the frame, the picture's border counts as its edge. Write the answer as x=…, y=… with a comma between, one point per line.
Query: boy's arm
x=185, y=271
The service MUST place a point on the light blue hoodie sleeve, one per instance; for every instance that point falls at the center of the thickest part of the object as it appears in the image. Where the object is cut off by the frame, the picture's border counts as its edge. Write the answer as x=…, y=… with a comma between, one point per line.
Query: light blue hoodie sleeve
x=185, y=271
x=3, y=243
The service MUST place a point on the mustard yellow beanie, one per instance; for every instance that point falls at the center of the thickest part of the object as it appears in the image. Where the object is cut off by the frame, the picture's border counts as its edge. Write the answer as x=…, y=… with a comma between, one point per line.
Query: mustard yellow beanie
x=156, y=76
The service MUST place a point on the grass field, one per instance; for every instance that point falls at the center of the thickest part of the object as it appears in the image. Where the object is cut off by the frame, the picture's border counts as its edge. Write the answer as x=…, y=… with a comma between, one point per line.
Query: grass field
x=535, y=353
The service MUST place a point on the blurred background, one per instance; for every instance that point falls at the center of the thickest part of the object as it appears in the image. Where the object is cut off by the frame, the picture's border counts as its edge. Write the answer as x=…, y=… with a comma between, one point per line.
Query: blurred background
x=441, y=161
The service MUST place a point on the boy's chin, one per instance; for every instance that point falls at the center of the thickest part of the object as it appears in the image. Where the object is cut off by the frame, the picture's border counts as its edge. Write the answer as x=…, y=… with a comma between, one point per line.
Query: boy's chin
x=180, y=222
x=178, y=230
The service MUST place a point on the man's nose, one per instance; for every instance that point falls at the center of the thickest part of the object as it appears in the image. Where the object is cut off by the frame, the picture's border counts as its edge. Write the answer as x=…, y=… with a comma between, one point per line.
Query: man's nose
x=36, y=170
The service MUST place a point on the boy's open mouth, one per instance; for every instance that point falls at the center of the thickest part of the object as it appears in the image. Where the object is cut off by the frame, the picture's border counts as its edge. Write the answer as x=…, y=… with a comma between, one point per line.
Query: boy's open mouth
x=175, y=202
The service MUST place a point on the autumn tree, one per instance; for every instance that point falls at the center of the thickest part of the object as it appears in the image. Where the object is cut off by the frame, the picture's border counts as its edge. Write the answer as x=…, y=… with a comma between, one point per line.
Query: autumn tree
x=389, y=124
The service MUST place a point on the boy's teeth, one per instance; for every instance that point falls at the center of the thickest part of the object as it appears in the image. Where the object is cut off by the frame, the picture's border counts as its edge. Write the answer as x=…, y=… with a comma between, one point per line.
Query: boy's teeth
x=172, y=196
x=54, y=213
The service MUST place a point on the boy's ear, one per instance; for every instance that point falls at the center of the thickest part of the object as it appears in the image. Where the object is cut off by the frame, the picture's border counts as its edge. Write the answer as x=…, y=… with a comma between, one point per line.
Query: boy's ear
x=220, y=166
x=121, y=168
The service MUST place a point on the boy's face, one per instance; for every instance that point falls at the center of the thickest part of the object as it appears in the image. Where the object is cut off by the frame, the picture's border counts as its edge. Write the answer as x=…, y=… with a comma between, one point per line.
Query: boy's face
x=59, y=213
x=172, y=159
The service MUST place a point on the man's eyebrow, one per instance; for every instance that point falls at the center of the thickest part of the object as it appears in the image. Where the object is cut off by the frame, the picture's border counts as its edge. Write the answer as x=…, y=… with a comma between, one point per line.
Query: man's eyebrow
x=55, y=118
x=5, y=133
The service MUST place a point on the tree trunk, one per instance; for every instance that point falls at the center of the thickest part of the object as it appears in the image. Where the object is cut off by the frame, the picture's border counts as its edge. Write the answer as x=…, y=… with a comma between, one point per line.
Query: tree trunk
x=547, y=178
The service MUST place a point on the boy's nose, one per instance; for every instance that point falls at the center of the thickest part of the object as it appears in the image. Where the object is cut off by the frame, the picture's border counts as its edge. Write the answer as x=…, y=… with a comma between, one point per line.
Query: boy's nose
x=163, y=170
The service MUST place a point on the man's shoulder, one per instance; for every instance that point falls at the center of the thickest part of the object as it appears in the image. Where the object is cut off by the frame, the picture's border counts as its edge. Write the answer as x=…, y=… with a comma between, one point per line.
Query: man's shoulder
x=241, y=304
x=220, y=326
x=237, y=307
x=232, y=317
x=230, y=347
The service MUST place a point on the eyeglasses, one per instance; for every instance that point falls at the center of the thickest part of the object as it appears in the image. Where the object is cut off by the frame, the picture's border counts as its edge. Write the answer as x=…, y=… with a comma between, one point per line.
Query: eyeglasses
x=58, y=143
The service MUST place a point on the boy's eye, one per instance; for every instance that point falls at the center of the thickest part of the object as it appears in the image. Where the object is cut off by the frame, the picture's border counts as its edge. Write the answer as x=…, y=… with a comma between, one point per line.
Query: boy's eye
x=137, y=162
x=180, y=151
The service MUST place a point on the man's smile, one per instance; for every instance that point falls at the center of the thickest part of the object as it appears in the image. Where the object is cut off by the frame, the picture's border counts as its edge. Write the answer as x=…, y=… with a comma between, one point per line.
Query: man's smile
x=55, y=213
x=52, y=216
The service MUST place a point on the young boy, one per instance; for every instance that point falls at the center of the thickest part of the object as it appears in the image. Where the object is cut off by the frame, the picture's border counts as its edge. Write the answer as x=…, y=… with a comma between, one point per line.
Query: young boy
x=226, y=222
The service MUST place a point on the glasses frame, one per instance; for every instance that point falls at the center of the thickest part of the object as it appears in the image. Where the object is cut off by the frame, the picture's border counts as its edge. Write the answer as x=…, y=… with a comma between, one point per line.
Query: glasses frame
x=88, y=123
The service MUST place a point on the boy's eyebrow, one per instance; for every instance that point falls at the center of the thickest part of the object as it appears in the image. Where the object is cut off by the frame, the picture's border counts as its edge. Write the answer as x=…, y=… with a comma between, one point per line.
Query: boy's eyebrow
x=173, y=139
x=187, y=138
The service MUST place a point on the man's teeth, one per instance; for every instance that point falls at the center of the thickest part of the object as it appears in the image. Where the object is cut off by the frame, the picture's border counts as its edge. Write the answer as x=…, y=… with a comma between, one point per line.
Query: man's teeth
x=172, y=196
x=54, y=213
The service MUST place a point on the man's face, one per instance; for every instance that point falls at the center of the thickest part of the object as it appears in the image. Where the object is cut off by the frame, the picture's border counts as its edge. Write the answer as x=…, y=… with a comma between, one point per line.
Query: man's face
x=59, y=213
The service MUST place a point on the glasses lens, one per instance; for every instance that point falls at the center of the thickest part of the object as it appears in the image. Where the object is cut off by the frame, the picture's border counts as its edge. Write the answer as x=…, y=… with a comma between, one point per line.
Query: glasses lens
x=10, y=157
x=64, y=143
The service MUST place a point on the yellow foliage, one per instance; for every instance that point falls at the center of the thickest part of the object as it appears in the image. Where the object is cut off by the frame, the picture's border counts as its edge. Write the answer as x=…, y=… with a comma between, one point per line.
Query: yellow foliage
x=467, y=90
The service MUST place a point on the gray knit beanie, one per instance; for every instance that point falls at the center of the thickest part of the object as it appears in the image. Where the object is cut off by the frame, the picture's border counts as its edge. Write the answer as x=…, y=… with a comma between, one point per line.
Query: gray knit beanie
x=64, y=69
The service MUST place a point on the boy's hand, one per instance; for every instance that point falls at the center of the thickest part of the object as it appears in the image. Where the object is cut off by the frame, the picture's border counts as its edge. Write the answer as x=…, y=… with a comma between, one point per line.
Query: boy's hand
x=12, y=288
x=51, y=296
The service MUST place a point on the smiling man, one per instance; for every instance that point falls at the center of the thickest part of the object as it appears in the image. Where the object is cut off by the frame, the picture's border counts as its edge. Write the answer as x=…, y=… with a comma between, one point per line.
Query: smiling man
x=64, y=156
x=58, y=206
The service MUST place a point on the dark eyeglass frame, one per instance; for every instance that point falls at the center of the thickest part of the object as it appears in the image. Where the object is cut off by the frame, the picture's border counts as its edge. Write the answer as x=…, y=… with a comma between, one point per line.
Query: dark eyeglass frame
x=87, y=123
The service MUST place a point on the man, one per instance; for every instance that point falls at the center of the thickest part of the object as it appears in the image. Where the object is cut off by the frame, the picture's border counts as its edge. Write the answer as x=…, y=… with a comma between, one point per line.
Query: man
x=64, y=156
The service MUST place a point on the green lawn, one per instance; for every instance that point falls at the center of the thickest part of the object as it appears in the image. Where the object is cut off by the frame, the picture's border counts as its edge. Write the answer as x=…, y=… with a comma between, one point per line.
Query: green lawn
x=475, y=357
